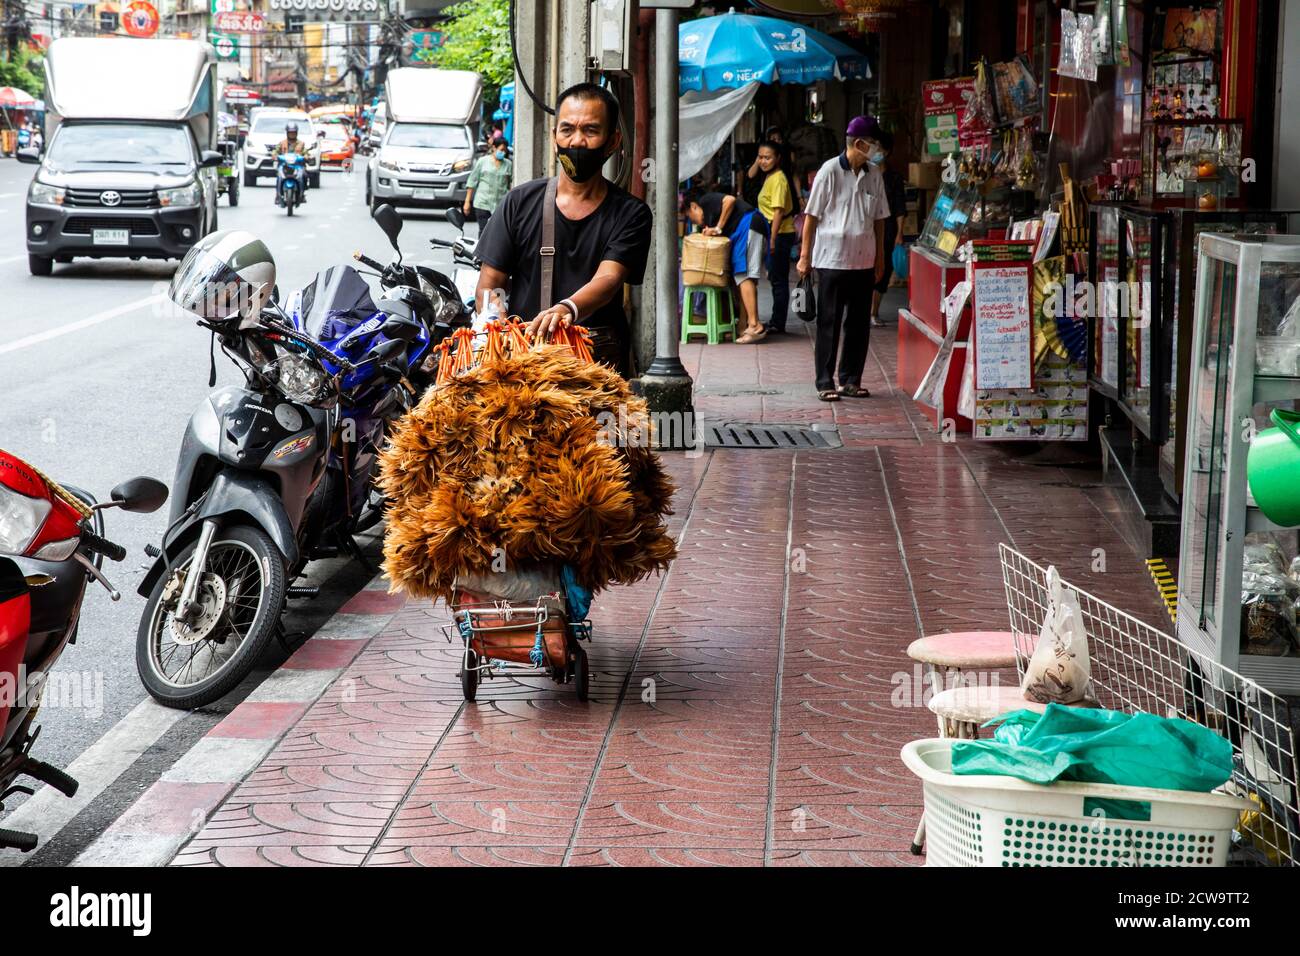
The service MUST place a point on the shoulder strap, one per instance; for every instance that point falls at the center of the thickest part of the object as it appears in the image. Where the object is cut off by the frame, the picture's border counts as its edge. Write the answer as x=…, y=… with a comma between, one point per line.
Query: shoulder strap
x=547, y=250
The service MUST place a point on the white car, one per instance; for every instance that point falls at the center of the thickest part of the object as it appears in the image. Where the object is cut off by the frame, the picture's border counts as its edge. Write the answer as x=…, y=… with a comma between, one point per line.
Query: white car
x=265, y=131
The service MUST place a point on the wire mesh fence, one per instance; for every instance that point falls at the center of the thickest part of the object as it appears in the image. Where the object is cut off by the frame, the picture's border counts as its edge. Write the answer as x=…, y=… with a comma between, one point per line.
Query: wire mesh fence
x=1136, y=667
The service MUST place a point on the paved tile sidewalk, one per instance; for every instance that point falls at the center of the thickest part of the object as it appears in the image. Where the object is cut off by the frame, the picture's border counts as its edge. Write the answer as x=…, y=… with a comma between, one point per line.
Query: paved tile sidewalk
x=747, y=708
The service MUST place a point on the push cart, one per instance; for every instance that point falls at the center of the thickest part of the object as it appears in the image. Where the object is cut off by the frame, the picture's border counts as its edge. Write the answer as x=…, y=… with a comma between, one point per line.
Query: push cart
x=533, y=640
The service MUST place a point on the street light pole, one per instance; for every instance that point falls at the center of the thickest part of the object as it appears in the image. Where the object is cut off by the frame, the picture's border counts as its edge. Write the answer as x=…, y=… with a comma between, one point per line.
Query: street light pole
x=666, y=384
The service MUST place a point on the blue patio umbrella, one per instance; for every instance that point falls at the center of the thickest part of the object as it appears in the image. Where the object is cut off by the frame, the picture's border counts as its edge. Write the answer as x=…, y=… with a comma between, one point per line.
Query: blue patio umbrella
x=734, y=49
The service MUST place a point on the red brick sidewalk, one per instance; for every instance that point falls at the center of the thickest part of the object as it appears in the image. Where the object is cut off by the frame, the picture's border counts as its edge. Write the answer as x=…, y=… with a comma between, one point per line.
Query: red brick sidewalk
x=745, y=707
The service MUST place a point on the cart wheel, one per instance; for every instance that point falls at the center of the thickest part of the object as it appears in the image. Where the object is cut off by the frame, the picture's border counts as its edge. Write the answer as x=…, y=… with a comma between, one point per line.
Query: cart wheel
x=468, y=675
x=580, y=675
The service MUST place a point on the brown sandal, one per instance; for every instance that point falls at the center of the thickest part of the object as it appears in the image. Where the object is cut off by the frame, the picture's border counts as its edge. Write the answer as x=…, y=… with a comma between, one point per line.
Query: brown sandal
x=829, y=395
x=854, y=391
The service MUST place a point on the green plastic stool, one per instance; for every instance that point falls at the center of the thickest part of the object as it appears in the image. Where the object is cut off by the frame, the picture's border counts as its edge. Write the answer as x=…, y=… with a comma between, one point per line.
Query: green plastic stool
x=712, y=326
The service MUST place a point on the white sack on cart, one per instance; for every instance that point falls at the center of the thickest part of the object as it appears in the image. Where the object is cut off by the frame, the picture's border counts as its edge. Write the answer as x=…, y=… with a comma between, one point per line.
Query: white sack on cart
x=516, y=586
x=705, y=118
x=1060, y=669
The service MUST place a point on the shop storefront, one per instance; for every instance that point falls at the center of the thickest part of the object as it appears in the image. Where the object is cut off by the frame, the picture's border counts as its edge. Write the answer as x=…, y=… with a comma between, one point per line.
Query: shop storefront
x=1120, y=133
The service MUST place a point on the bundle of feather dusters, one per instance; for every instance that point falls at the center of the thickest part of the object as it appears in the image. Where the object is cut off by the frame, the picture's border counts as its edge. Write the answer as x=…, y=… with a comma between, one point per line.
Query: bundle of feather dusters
x=537, y=455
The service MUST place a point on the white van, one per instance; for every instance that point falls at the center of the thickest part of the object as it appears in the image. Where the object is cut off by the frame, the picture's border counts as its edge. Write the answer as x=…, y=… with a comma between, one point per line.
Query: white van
x=431, y=140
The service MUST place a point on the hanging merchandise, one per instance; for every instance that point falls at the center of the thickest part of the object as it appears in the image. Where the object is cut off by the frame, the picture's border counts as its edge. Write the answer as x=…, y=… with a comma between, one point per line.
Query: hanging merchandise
x=1077, y=58
x=1056, y=329
x=1103, y=51
x=1119, y=26
x=1016, y=90
x=1068, y=64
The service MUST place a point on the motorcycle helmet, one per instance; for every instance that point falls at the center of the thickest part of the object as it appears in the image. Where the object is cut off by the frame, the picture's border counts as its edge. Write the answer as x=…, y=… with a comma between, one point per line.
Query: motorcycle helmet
x=225, y=276
x=291, y=129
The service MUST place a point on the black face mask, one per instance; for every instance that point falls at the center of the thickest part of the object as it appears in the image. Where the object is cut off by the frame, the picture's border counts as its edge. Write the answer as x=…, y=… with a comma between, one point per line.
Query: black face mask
x=581, y=162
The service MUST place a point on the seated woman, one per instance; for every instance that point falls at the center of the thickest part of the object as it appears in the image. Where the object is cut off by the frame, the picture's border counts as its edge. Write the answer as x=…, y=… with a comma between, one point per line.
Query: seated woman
x=721, y=215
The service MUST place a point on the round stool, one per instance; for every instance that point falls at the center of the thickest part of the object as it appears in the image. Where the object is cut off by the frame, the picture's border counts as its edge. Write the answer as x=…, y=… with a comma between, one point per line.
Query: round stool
x=963, y=710
x=947, y=656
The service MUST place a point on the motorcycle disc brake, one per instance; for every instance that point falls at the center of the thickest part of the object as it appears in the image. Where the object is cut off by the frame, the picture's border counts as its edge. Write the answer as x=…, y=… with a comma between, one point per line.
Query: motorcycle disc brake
x=212, y=601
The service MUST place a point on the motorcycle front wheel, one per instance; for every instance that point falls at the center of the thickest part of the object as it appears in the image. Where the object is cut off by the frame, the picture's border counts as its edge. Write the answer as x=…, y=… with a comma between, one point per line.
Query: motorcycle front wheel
x=242, y=595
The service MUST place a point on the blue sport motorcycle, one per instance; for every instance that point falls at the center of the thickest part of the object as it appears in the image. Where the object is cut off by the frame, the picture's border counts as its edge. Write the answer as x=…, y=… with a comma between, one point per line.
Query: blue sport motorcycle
x=280, y=471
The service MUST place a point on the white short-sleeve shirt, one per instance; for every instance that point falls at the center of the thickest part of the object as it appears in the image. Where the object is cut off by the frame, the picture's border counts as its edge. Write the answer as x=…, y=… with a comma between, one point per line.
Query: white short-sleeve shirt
x=847, y=205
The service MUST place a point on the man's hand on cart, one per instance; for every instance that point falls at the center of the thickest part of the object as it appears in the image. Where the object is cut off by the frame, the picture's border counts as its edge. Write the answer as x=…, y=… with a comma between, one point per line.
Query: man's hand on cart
x=549, y=320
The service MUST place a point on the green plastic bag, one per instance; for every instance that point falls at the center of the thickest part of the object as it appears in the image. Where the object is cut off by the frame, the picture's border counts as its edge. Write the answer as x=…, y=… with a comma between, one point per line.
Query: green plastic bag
x=1090, y=745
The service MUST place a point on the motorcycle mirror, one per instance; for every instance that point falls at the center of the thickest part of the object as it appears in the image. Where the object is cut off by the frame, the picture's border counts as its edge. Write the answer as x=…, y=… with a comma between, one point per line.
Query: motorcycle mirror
x=142, y=495
x=386, y=350
x=389, y=221
x=456, y=216
x=396, y=327
x=210, y=158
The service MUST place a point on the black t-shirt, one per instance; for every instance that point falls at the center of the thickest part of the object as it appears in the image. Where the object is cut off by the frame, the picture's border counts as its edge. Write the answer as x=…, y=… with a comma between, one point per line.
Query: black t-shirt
x=711, y=203
x=618, y=229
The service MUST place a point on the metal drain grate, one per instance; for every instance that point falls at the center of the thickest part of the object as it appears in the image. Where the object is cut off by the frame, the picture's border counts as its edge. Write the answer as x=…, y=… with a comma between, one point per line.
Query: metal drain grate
x=789, y=437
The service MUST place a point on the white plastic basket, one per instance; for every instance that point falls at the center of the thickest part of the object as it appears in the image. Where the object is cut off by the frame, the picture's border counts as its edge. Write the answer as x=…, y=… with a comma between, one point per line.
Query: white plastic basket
x=1003, y=821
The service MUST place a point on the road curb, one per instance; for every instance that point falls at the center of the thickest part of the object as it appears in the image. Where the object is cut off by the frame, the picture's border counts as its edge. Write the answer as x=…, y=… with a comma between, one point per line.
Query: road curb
x=155, y=828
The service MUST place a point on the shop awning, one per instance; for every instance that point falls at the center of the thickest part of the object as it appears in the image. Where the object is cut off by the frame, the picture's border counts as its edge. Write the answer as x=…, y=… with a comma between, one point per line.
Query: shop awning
x=735, y=49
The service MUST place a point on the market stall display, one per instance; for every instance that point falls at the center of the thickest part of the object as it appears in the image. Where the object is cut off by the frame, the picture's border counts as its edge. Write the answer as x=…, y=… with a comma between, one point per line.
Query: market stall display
x=1236, y=601
x=1025, y=377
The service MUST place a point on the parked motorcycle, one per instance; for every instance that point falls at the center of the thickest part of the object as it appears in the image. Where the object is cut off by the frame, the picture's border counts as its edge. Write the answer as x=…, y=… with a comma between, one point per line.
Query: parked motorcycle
x=465, y=276
x=273, y=474
x=434, y=299
x=51, y=547
x=291, y=180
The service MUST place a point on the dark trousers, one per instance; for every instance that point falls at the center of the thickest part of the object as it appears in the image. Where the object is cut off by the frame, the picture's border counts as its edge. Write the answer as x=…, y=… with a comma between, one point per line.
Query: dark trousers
x=611, y=346
x=481, y=216
x=778, y=273
x=843, y=300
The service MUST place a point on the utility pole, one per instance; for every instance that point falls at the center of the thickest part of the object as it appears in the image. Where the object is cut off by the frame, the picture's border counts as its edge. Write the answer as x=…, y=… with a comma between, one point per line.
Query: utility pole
x=666, y=385
x=552, y=41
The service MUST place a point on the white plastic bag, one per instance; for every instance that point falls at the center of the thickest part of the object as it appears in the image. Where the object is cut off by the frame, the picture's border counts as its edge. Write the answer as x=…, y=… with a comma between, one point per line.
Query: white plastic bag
x=1060, y=669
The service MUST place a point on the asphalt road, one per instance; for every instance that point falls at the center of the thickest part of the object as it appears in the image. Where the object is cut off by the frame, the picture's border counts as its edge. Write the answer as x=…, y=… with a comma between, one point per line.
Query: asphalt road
x=99, y=382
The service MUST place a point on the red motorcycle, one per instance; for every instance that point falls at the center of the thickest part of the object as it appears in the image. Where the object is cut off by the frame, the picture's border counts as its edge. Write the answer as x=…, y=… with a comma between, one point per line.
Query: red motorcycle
x=51, y=547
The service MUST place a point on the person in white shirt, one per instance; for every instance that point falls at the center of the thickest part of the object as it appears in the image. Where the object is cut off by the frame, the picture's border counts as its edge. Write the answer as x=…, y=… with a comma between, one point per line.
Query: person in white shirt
x=844, y=226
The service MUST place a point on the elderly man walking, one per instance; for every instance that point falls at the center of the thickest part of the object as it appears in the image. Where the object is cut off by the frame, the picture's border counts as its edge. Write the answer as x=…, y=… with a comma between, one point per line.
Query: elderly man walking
x=843, y=232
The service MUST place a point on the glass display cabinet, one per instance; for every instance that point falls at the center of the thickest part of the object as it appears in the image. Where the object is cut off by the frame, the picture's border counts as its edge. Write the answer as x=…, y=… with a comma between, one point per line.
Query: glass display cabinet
x=1144, y=355
x=1183, y=228
x=1236, y=597
x=1103, y=273
x=1197, y=160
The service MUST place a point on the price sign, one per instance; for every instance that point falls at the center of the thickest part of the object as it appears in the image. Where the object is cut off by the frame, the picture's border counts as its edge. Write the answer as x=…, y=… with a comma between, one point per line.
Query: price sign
x=1003, y=326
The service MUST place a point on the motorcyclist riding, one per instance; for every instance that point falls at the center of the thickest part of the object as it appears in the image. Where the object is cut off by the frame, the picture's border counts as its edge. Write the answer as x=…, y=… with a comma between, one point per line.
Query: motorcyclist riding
x=290, y=144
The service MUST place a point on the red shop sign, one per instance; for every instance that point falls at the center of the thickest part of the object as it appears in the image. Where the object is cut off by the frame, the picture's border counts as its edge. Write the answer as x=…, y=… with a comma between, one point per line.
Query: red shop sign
x=140, y=19
x=240, y=23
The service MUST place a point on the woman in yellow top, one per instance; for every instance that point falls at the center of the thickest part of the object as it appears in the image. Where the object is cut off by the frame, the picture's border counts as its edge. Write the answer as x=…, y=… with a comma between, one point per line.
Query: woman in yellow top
x=775, y=221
